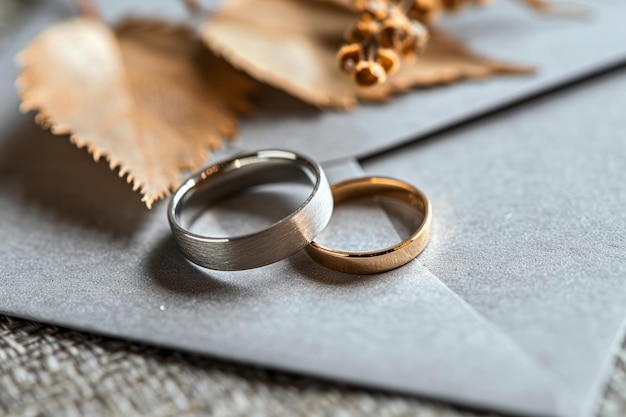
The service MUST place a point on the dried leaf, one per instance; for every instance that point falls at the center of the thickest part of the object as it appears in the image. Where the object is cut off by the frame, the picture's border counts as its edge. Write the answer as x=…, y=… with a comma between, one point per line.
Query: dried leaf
x=292, y=45
x=147, y=96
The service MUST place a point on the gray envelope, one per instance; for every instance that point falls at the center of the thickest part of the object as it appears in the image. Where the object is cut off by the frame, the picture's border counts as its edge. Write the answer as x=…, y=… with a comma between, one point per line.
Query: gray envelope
x=513, y=306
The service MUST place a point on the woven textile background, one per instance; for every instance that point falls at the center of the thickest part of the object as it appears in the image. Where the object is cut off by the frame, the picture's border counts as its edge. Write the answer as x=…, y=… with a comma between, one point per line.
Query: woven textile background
x=47, y=371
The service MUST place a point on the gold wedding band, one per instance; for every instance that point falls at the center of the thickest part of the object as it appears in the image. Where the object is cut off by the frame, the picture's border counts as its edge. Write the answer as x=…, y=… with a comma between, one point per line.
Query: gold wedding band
x=382, y=260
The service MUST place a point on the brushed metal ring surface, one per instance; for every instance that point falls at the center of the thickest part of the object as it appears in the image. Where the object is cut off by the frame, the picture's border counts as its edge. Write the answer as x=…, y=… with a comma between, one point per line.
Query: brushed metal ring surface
x=280, y=240
x=373, y=262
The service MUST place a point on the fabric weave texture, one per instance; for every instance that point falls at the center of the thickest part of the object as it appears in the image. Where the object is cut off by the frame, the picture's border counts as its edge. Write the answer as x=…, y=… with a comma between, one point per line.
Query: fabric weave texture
x=49, y=371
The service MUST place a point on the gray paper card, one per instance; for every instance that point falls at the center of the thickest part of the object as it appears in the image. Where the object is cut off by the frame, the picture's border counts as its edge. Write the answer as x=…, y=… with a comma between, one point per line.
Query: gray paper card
x=530, y=227
x=71, y=260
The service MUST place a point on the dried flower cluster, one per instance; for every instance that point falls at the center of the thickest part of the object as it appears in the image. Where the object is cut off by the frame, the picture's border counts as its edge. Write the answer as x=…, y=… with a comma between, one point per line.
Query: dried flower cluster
x=375, y=42
x=386, y=31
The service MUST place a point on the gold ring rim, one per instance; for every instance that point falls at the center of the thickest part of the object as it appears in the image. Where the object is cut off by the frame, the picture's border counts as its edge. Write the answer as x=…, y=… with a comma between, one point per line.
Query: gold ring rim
x=388, y=258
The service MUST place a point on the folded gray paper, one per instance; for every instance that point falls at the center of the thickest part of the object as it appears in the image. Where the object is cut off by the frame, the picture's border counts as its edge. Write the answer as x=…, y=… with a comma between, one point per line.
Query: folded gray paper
x=529, y=226
x=513, y=306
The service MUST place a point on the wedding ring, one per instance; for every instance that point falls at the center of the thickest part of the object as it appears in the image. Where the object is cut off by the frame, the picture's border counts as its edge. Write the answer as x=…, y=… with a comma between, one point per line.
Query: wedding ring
x=282, y=239
x=382, y=260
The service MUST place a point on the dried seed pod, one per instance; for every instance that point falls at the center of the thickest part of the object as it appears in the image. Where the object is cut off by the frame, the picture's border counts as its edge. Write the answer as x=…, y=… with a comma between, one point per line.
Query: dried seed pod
x=452, y=5
x=362, y=30
x=419, y=37
x=383, y=32
x=425, y=11
x=349, y=56
x=369, y=73
x=376, y=9
x=395, y=34
x=388, y=59
x=427, y=4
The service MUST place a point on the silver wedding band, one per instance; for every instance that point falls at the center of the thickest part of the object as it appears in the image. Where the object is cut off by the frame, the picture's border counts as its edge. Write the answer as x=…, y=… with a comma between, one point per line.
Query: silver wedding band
x=279, y=241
